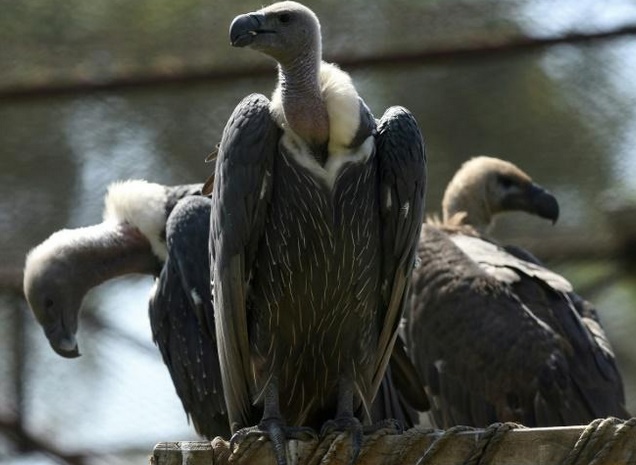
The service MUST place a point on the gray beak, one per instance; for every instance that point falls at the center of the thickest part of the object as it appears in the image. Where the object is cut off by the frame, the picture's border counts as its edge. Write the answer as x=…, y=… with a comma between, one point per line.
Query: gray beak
x=63, y=344
x=544, y=203
x=535, y=200
x=244, y=28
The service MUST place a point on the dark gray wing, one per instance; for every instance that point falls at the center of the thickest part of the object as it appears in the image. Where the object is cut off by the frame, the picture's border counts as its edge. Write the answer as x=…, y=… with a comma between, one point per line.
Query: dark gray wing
x=240, y=201
x=484, y=354
x=595, y=383
x=402, y=170
x=177, y=315
x=595, y=379
x=602, y=392
x=498, y=349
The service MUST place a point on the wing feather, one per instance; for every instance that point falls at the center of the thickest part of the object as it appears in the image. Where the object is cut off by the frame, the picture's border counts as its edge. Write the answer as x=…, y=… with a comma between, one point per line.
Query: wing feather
x=402, y=170
x=240, y=202
x=177, y=316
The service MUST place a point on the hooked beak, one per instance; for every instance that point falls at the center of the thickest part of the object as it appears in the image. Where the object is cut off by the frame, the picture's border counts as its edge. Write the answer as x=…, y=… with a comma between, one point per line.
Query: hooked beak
x=245, y=28
x=62, y=343
x=545, y=204
x=535, y=200
x=67, y=348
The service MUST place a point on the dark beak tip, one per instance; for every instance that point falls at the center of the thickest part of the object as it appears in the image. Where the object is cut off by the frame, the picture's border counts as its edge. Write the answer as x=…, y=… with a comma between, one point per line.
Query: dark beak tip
x=63, y=342
x=241, y=41
x=550, y=212
x=544, y=204
x=75, y=353
x=555, y=217
x=553, y=209
x=66, y=350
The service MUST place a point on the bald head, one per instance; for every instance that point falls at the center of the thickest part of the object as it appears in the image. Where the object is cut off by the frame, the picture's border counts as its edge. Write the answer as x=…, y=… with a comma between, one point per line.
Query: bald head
x=286, y=31
x=52, y=292
x=60, y=271
x=486, y=186
x=290, y=33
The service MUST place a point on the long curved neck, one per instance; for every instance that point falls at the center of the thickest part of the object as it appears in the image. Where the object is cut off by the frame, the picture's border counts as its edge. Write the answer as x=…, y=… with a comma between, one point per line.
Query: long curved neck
x=108, y=250
x=303, y=104
x=462, y=208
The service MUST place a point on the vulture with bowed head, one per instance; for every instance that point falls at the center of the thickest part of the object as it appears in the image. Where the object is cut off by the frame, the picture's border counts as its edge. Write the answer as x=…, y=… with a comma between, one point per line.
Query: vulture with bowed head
x=149, y=229
x=163, y=232
x=495, y=334
x=316, y=213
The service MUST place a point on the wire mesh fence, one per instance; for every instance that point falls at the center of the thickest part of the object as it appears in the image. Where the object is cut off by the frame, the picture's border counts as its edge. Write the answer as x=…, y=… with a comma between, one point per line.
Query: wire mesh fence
x=100, y=91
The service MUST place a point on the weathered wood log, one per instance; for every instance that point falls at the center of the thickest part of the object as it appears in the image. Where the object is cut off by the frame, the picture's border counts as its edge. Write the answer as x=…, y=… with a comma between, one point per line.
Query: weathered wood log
x=606, y=441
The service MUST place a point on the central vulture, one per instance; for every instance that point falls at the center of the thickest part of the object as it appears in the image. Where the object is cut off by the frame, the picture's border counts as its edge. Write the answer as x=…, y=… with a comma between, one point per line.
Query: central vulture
x=316, y=213
x=495, y=334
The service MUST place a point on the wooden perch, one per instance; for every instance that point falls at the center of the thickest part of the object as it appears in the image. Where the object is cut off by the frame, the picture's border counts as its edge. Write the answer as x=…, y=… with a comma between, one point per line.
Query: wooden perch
x=602, y=442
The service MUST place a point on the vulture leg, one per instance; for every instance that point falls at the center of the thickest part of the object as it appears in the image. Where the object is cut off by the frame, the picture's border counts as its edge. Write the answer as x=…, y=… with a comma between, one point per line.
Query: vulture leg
x=345, y=420
x=273, y=426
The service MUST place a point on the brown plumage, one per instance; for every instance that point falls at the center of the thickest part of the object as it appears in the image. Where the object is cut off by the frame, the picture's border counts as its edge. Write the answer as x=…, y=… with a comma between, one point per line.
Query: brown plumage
x=496, y=335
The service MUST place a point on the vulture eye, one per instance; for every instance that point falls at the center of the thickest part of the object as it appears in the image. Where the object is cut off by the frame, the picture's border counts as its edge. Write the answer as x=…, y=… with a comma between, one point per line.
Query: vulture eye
x=506, y=182
x=284, y=17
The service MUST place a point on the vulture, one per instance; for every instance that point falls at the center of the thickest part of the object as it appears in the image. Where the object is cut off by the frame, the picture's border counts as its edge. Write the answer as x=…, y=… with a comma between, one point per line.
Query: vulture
x=150, y=229
x=495, y=335
x=161, y=231
x=316, y=212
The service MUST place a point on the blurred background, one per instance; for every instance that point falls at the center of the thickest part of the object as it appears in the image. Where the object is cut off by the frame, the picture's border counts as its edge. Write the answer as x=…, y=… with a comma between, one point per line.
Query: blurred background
x=94, y=92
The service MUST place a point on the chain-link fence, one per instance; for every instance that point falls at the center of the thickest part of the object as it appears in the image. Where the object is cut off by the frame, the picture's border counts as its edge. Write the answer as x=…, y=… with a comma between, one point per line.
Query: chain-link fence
x=93, y=92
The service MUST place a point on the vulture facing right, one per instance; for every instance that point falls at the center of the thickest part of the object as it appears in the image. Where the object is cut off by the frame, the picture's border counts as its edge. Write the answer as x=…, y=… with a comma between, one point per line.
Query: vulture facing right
x=496, y=335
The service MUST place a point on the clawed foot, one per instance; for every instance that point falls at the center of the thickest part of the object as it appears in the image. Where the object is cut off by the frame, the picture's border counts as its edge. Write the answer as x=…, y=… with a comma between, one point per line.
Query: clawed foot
x=277, y=432
x=346, y=424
